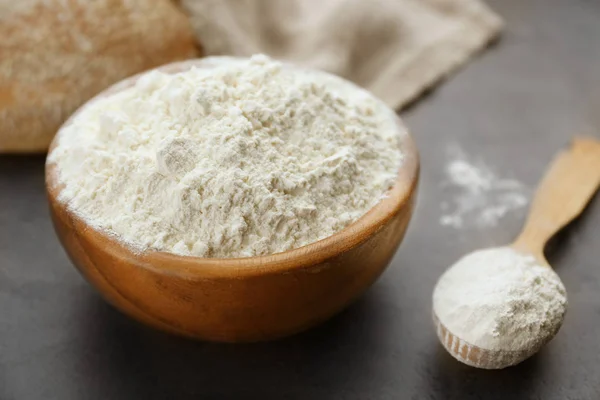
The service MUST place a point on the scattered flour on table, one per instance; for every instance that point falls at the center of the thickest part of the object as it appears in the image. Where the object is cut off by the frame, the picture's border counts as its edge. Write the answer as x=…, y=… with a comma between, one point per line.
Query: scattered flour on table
x=479, y=198
x=248, y=157
x=498, y=299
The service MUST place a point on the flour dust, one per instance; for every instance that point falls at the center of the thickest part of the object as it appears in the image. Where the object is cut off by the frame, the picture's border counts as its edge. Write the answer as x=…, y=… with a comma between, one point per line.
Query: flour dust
x=477, y=197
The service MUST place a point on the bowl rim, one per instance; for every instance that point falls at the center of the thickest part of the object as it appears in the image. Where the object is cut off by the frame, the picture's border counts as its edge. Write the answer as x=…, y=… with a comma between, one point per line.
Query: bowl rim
x=397, y=199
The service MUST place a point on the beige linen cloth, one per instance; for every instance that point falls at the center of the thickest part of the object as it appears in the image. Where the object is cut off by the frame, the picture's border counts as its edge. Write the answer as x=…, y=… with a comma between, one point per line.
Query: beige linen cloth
x=395, y=48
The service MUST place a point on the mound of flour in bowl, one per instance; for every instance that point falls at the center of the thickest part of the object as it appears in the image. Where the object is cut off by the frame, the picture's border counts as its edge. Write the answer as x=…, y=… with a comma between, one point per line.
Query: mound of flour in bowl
x=247, y=157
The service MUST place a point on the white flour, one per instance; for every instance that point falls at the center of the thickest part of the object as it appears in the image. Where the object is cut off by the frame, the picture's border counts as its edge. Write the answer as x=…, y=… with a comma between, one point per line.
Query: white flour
x=247, y=158
x=498, y=299
x=479, y=197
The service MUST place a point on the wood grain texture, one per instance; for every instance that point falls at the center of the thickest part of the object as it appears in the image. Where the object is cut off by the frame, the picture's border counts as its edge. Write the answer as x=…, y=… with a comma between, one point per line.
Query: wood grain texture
x=478, y=357
x=55, y=55
x=567, y=187
x=244, y=299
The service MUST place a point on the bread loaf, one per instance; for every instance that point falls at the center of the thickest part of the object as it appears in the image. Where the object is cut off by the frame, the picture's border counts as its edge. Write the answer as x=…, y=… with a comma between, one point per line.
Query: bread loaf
x=56, y=54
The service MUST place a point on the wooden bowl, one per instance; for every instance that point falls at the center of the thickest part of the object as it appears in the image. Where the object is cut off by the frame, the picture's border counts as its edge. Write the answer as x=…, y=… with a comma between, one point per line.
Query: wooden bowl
x=241, y=299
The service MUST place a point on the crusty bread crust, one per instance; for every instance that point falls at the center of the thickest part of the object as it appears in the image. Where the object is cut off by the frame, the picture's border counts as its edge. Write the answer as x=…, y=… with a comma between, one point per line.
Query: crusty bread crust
x=56, y=54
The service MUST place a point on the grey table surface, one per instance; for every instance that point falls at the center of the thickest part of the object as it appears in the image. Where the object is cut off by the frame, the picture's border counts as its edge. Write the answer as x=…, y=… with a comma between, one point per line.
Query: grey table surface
x=512, y=108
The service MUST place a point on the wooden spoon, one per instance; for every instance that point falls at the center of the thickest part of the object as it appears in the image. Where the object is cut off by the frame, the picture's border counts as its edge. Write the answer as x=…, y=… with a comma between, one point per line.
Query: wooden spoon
x=567, y=187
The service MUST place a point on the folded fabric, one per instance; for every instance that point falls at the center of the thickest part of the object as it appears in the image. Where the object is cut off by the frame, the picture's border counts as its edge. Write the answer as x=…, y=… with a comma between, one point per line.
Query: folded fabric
x=395, y=48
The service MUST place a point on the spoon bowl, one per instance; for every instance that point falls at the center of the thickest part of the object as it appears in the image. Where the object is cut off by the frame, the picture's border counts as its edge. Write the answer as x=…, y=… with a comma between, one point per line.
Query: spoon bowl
x=491, y=321
x=475, y=356
x=241, y=299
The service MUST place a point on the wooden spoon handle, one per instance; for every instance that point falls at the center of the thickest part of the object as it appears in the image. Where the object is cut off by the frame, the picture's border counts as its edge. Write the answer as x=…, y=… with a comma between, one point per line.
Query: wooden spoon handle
x=567, y=187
